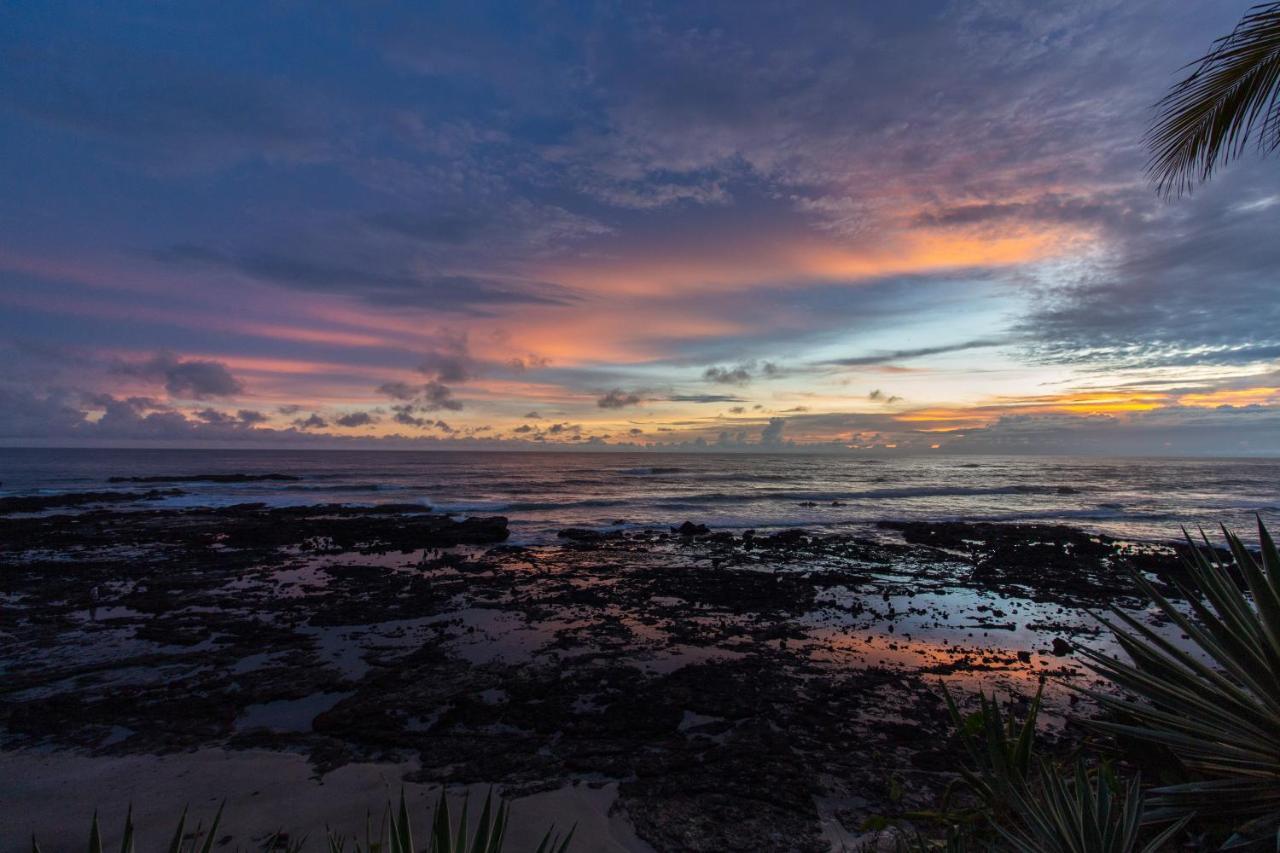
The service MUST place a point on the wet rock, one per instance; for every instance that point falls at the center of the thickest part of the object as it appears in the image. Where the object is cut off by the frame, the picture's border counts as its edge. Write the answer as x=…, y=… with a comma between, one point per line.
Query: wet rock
x=1061, y=647
x=40, y=503
x=691, y=529
x=207, y=478
x=580, y=534
x=1044, y=557
x=789, y=538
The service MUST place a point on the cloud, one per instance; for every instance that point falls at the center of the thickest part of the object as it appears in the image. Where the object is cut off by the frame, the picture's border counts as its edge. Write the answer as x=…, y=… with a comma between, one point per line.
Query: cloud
x=355, y=419
x=1189, y=284
x=380, y=281
x=165, y=110
x=451, y=361
x=517, y=225
x=704, y=398
x=881, y=397
x=904, y=354
x=618, y=399
x=430, y=396
x=437, y=396
x=313, y=421
x=399, y=390
x=193, y=378
x=771, y=435
x=739, y=375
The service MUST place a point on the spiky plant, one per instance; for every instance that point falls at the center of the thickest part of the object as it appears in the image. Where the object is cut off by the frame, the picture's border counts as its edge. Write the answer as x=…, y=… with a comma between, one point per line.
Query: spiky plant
x=1000, y=750
x=489, y=833
x=396, y=833
x=1081, y=814
x=1215, y=707
x=179, y=844
x=1231, y=96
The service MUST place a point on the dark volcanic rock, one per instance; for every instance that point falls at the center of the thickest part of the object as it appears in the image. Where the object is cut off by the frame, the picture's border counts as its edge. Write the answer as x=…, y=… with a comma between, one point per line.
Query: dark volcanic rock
x=252, y=529
x=40, y=503
x=207, y=478
x=734, y=687
x=1047, y=558
x=691, y=529
x=580, y=534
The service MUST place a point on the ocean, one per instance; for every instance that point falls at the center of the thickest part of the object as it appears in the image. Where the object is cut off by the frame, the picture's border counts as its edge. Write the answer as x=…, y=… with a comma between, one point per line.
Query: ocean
x=541, y=493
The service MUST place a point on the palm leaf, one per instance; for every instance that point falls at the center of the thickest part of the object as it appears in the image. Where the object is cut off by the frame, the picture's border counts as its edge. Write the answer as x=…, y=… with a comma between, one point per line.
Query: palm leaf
x=1232, y=94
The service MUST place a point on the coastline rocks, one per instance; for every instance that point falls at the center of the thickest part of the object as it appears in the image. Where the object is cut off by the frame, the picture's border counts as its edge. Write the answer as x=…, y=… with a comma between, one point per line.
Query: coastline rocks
x=208, y=478
x=39, y=503
x=580, y=534
x=1046, y=558
x=689, y=529
x=252, y=531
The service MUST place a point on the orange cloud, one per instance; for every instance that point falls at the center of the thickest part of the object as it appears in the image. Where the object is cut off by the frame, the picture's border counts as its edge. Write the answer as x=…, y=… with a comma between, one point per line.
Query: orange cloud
x=1264, y=396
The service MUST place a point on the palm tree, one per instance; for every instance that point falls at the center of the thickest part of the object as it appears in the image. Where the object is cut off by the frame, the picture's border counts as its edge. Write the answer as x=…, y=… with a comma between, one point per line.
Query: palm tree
x=1231, y=96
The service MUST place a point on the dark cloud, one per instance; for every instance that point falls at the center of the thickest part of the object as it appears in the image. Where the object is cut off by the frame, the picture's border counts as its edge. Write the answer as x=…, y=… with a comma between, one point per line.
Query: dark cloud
x=162, y=110
x=1110, y=209
x=430, y=396
x=451, y=362
x=528, y=362
x=618, y=399
x=704, y=398
x=399, y=390
x=355, y=419
x=454, y=227
x=904, y=354
x=249, y=417
x=1192, y=284
x=405, y=415
x=739, y=375
x=437, y=396
x=378, y=280
x=313, y=421
x=212, y=416
x=771, y=435
x=193, y=378
x=881, y=397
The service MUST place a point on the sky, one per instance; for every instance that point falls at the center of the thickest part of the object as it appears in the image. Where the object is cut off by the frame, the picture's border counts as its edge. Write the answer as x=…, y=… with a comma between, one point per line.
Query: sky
x=886, y=227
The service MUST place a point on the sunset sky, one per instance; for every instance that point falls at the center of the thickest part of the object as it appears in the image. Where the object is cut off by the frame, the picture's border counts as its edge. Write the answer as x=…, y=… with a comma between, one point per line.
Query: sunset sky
x=901, y=226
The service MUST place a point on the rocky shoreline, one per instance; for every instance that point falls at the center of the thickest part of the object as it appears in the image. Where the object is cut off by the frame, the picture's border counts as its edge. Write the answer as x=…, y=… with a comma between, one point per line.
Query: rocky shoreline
x=740, y=688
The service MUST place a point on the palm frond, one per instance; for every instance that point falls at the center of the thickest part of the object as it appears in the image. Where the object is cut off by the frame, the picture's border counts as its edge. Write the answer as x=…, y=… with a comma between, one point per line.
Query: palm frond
x=1231, y=96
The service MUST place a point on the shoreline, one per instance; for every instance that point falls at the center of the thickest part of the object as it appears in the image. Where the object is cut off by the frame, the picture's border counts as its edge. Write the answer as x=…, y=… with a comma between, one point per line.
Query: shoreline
x=729, y=687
